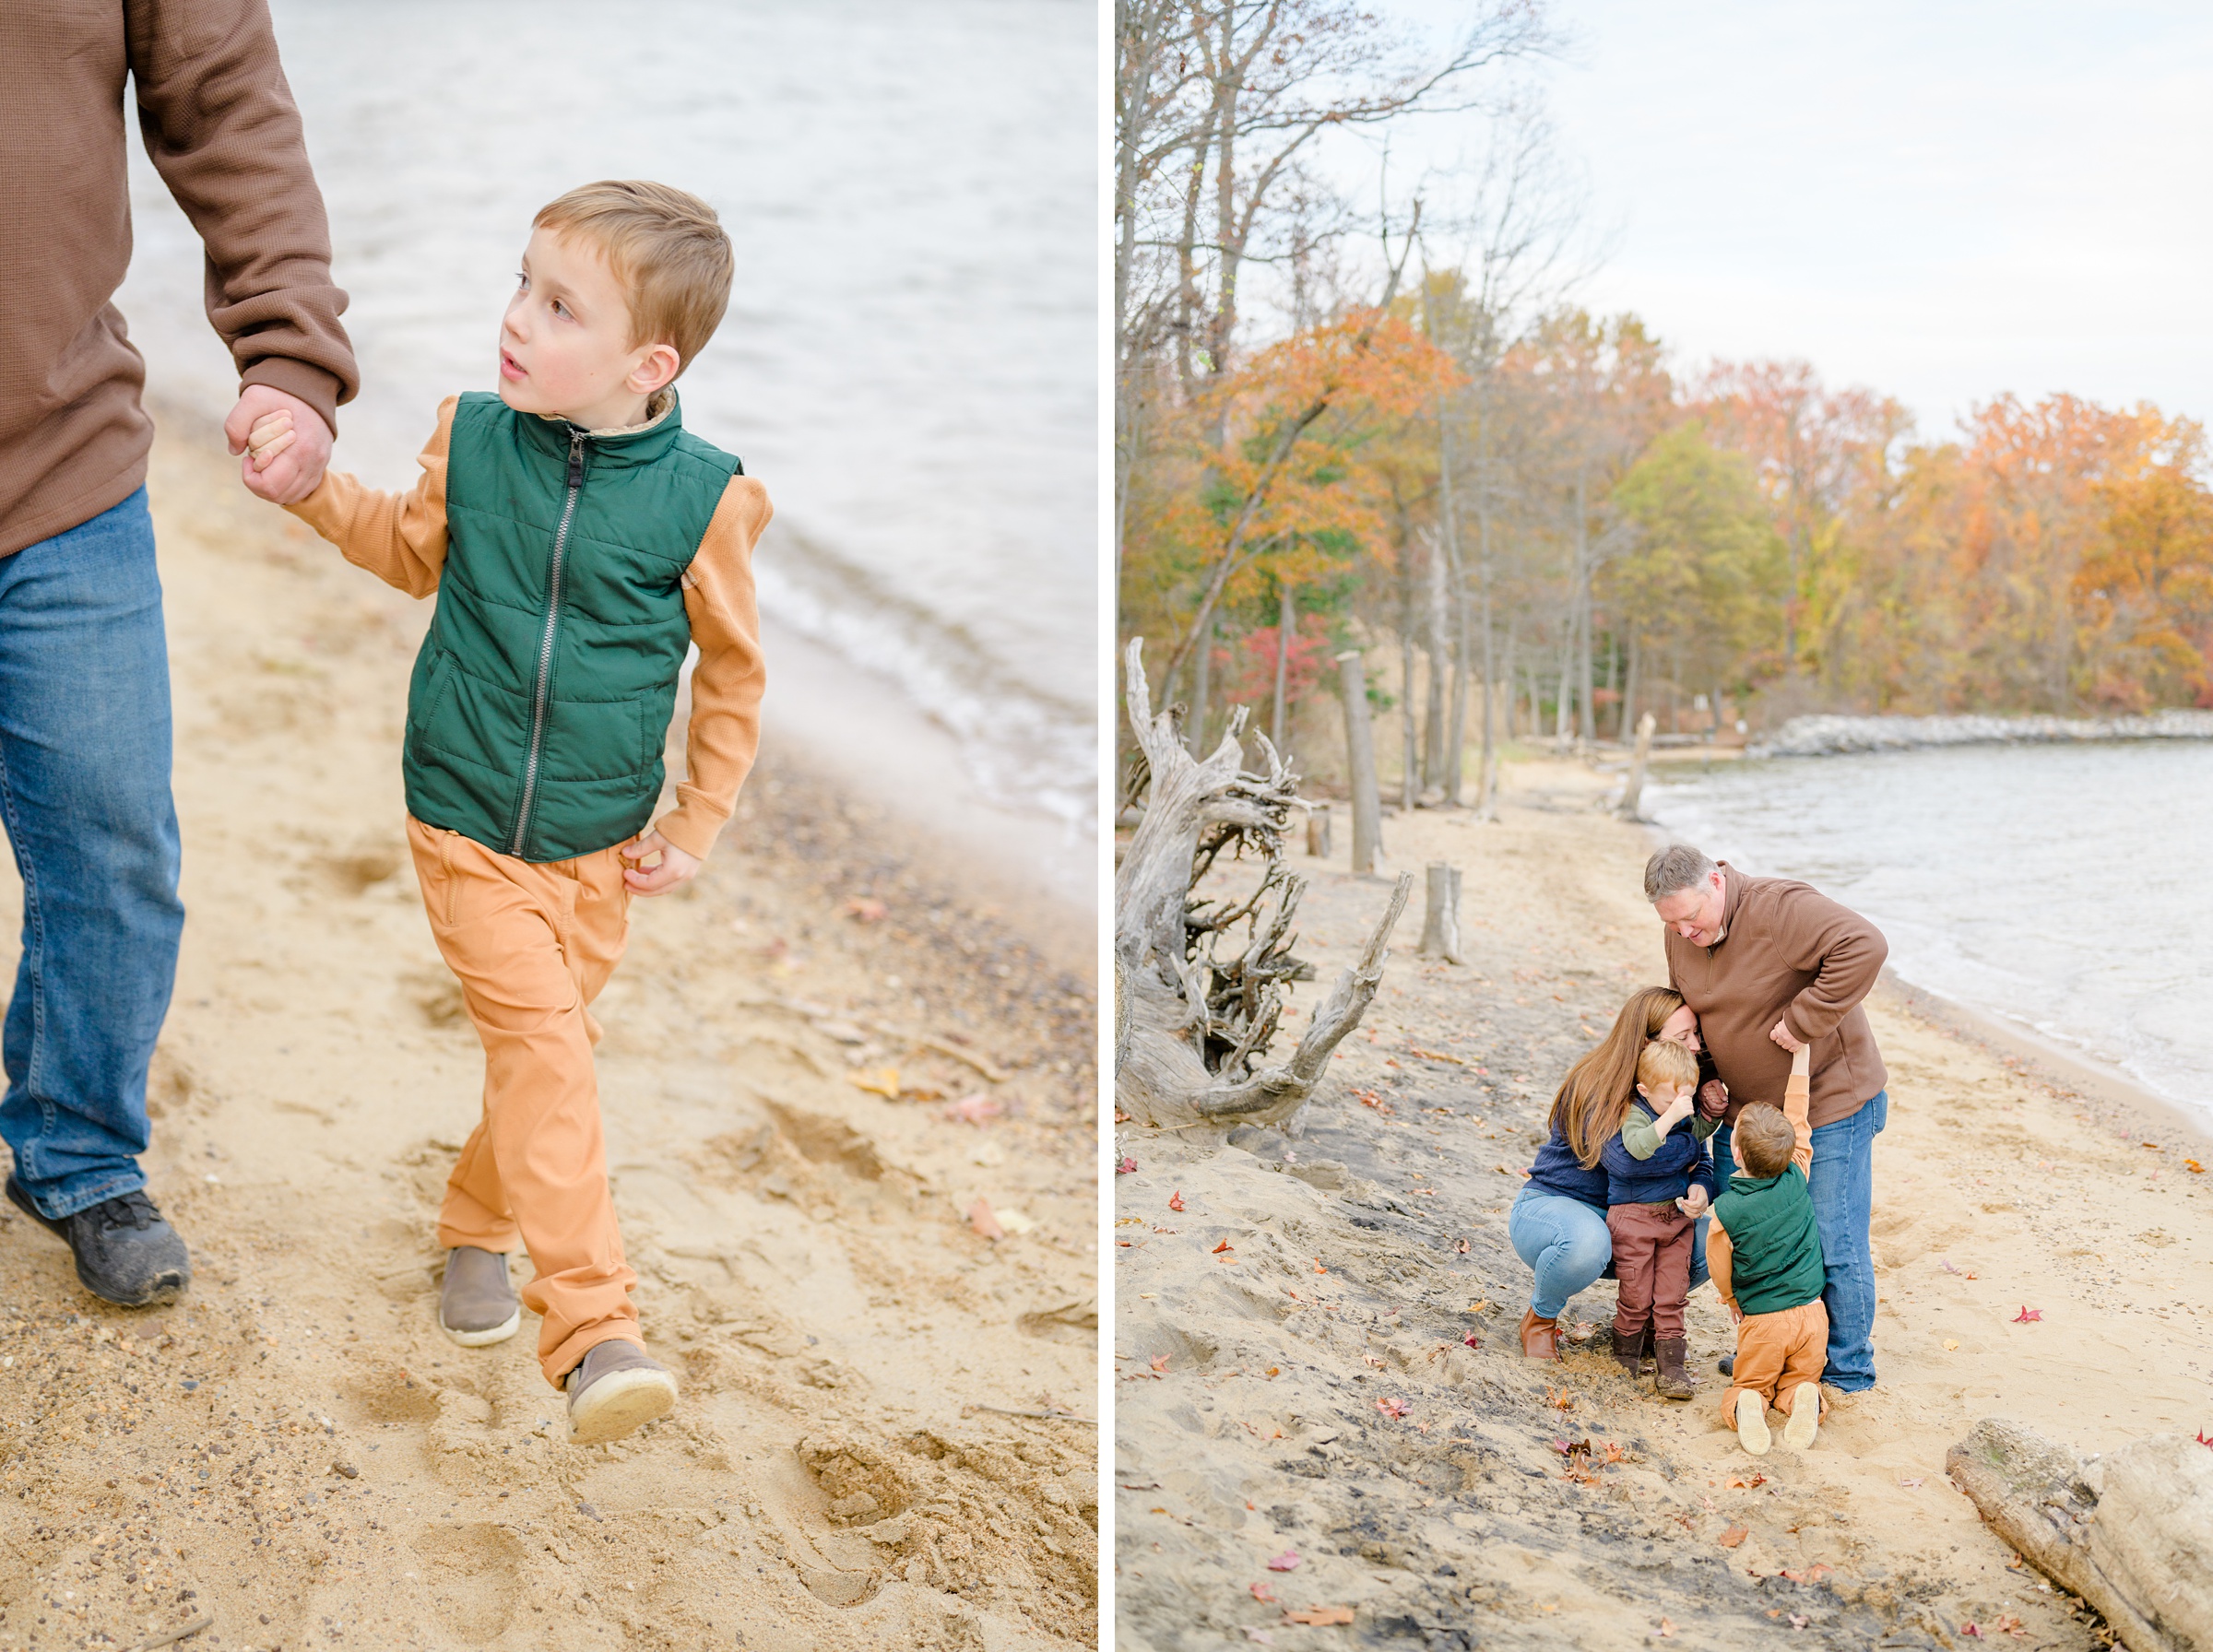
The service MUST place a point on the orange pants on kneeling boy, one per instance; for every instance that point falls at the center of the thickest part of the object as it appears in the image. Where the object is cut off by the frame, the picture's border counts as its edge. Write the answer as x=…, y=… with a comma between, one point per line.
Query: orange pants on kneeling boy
x=533, y=944
x=1776, y=1353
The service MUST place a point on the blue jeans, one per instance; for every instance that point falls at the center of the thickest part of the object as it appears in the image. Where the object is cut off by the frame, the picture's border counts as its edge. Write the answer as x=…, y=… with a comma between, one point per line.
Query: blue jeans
x=1841, y=1182
x=1567, y=1245
x=84, y=795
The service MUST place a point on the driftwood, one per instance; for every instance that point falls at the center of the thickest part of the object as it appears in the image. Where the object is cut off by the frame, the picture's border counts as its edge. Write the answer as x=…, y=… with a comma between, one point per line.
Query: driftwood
x=1317, y=831
x=1633, y=793
x=1440, y=914
x=1200, y=983
x=2131, y=1531
x=1360, y=768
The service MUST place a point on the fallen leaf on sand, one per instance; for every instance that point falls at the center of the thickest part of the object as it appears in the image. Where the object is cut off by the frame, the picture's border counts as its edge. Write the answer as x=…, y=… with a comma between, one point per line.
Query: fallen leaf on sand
x=1222, y=1249
x=1479, y=1307
x=983, y=1222
x=1260, y=1635
x=1320, y=1616
x=1015, y=1221
x=2009, y=1624
x=1910, y=1484
x=1160, y=1363
x=1263, y=1591
x=1176, y=1199
x=1799, y=1622
x=865, y=908
x=1951, y=1345
x=1945, y=1263
x=1471, y=1340
x=1813, y=1574
x=2193, y=1167
x=1460, y=1248
x=1285, y=1562
x=876, y=1081
x=1124, y=1166
x=1970, y=1629
x=972, y=1110
x=2027, y=1316
x=1733, y=1536
x=1393, y=1406
x=1667, y=1629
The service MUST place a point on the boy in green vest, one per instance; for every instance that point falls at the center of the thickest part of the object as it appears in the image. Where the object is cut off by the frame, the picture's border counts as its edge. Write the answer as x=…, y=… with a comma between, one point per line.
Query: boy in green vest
x=1764, y=1252
x=579, y=541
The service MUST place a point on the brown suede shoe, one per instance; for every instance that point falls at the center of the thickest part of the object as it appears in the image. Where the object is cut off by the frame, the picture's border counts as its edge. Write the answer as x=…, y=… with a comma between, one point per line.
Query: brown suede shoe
x=477, y=1303
x=615, y=1389
x=1633, y=1351
x=1540, y=1338
x=1674, y=1381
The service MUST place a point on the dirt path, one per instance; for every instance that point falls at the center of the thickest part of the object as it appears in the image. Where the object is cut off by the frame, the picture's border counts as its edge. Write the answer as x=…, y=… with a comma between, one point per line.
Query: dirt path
x=1257, y=1394
x=296, y=1451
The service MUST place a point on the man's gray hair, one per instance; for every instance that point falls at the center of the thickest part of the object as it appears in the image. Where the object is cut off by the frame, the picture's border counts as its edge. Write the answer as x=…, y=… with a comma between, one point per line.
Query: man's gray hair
x=1675, y=869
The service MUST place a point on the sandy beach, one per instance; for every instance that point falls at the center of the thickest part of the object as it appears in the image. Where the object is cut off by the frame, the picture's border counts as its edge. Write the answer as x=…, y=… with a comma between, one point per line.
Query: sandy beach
x=887, y=1434
x=1323, y=1418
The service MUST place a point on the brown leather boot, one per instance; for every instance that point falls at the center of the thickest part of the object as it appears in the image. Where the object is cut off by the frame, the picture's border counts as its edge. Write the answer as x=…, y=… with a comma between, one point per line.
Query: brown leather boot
x=1633, y=1351
x=1674, y=1381
x=1540, y=1338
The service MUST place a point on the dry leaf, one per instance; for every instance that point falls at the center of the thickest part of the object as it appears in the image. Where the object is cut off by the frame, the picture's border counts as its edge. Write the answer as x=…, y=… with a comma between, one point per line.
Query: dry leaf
x=1911, y=1484
x=1951, y=1344
x=1285, y=1562
x=1320, y=1616
x=1261, y=1591
x=1160, y=1363
x=983, y=1222
x=2009, y=1624
x=1393, y=1406
x=1222, y=1249
x=1176, y=1199
x=866, y=908
x=1667, y=1629
x=2027, y=1316
x=1733, y=1536
x=970, y=1109
x=1124, y=1166
x=877, y=1081
x=1799, y=1622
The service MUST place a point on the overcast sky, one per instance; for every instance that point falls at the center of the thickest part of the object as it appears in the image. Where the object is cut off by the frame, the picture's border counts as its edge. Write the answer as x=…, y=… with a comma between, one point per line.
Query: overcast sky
x=1939, y=200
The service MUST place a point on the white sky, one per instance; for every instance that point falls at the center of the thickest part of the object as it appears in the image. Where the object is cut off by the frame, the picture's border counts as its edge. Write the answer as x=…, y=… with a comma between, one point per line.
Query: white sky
x=1942, y=201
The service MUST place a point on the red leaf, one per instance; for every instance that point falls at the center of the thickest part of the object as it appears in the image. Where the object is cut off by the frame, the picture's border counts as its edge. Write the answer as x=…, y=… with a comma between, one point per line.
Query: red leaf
x=1223, y=1247
x=1260, y=1591
x=1470, y=1340
x=1285, y=1562
x=1392, y=1407
x=1733, y=1536
x=983, y=1222
x=2027, y=1316
x=1124, y=1166
x=1160, y=1363
x=1176, y=1199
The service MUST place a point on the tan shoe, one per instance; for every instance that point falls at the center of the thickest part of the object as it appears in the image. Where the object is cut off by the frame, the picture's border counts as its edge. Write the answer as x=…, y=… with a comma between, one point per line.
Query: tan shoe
x=1805, y=1416
x=616, y=1389
x=1540, y=1338
x=477, y=1303
x=1752, y=1423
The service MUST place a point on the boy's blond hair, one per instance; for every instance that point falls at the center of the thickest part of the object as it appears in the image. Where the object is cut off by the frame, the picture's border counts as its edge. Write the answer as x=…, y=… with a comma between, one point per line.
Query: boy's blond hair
x=1664, y=1062
x=1765, y=1139
x=665, y=246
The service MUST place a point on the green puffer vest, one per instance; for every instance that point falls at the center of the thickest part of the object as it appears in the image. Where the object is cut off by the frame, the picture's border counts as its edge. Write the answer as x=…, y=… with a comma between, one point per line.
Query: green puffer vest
x=1775, y=1247
x=541, y=697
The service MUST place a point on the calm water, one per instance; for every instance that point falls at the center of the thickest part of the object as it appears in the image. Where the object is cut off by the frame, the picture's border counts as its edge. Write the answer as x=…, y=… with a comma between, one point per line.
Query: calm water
x=909, y=361
x=2065, y=888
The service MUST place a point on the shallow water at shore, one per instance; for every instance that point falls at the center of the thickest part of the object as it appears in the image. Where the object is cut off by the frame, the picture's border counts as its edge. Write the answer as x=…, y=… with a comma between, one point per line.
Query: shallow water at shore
x=909, y=359
x=2060, y=889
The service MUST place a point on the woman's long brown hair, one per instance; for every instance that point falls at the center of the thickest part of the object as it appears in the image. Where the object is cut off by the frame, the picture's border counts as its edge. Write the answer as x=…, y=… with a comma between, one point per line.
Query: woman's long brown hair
x=1594, y=1097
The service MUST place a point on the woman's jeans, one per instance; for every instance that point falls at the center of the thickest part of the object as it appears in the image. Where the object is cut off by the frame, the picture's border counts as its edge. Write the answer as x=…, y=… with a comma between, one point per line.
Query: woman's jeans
x=1841, y=1182
x=1567, y=1245
x=84, y=797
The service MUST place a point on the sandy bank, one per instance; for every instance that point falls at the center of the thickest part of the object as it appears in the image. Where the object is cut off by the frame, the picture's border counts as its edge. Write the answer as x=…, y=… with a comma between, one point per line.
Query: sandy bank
x=869, y=1450
x=1251, y=1425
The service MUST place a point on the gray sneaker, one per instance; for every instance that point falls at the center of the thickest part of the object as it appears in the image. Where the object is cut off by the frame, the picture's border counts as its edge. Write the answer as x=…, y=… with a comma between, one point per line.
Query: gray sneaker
x=477, y=1304
x=126, y=1251
x=615, y=1389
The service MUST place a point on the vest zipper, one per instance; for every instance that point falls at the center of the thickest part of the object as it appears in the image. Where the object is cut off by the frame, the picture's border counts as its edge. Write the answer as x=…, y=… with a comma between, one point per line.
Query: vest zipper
x=545, y=646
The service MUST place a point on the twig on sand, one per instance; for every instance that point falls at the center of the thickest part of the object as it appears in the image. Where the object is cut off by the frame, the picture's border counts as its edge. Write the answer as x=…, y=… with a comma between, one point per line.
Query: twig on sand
x=171, y=1637
x=1001, y=1411
x=944, y=1046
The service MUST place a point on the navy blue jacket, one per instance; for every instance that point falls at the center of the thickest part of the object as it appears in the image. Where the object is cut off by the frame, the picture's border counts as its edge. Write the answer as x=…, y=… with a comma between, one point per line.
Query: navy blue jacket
x=1681, y=1163
x=1558, y=1170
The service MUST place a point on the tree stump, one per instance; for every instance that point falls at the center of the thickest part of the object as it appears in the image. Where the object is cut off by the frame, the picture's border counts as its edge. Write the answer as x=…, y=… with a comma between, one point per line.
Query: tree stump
x=1317, y=831
x=1360, y=751
x=2131, y=1531
x=1440, y=914
x=1634, y=790
x=1196, y=1003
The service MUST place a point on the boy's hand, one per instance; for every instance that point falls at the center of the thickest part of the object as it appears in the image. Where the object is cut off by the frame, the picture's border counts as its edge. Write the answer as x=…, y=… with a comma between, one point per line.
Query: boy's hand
x=1677, y=1111
x=1736, y=1314
x=1781, y=1034
x=676, y=866
x=1693, y=1204
x=286, y=461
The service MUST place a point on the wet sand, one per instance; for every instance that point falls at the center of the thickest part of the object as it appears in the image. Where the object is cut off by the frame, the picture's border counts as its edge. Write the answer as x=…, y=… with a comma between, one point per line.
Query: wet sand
x=1367, y=1243
x=885, y=1433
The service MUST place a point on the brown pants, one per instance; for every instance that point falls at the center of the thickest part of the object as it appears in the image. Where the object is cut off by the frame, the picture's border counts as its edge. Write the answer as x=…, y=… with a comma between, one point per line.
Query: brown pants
x=533, y=945
x=1651, y=1259
x=1776, y=1353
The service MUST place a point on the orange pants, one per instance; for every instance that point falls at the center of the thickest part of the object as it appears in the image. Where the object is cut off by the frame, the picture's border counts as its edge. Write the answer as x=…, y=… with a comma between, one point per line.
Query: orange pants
x=1776, y=1353
x=533, y=945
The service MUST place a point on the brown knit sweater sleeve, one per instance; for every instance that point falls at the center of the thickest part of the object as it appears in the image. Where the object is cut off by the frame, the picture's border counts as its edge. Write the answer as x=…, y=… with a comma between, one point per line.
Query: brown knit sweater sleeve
x=724, y=730
x=222, y=130
x=400, y=537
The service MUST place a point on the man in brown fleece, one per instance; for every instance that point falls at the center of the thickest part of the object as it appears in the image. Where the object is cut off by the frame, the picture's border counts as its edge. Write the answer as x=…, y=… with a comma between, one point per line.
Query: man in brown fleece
x=84, y=670
x=1771, y=966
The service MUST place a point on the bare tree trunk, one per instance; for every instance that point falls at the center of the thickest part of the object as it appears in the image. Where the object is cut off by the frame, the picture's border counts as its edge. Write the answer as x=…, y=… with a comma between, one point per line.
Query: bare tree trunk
x=1409, y=762
x=1202, y=669
x=1440, y=914
x=1632, y=687
x=1196, y=1006
x=1633, y=792
x=1286, y=621
x=1360, y=745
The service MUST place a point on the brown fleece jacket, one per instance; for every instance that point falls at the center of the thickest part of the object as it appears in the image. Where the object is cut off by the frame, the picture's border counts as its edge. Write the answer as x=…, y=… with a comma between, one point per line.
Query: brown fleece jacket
x=1787, y=954
x=219, y=122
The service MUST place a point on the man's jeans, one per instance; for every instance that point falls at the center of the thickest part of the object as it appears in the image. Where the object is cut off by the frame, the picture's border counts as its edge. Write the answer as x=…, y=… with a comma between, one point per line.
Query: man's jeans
x=84, y=797
x=1842, y=1185
x=1568, y=1246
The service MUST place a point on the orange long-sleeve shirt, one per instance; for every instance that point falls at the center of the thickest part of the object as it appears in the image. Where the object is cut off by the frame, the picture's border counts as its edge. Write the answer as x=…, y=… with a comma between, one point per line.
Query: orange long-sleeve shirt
x=401, y=538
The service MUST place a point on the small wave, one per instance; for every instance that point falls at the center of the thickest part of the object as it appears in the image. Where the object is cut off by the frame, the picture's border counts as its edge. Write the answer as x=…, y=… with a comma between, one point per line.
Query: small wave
x=1834, y=737
x=1025, y=750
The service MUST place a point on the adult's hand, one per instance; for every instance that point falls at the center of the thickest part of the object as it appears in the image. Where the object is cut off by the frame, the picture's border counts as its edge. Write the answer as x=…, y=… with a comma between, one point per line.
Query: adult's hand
x=1781, y=1034
x=1713, y=1097
x=293, y=474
